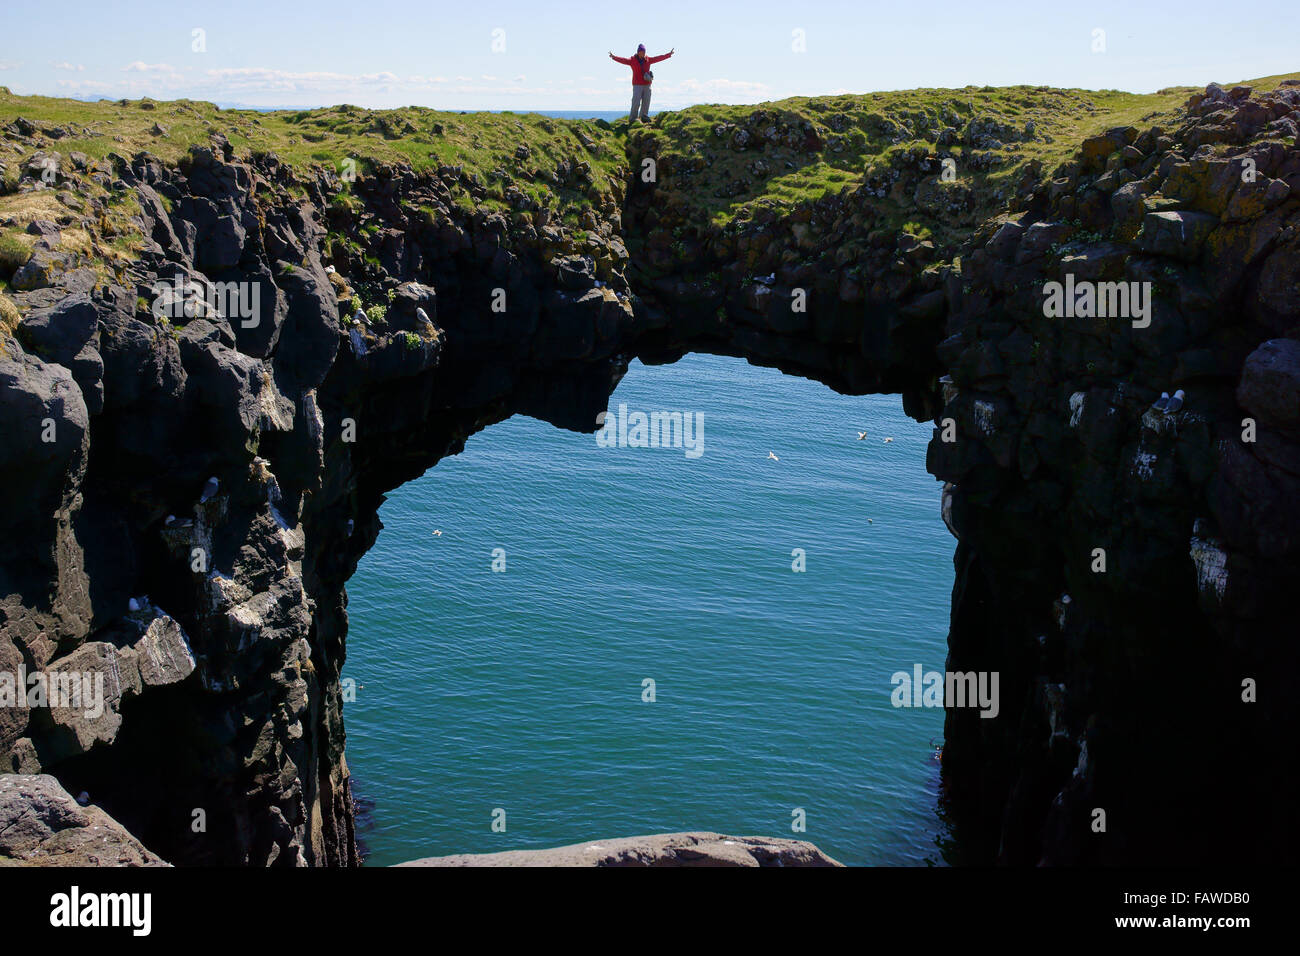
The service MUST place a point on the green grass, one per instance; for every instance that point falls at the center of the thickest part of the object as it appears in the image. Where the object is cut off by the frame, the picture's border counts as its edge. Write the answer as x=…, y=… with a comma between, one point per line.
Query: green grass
x=15, y=249
x=706, y=186
x=703, y=185
x=485, y=146
x=865, y=135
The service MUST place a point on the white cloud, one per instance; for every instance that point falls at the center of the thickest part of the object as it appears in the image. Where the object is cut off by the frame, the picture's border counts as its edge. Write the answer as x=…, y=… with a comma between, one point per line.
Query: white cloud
x=719, y=89
x=9, y=65
x=249, y=83
x=270, y=87
x=257, y=78
x=85, y=86
x=141, y=67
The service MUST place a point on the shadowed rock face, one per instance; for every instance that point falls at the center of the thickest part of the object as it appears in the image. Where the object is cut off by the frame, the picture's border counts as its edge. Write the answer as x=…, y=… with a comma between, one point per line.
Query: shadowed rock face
x=1121, y=689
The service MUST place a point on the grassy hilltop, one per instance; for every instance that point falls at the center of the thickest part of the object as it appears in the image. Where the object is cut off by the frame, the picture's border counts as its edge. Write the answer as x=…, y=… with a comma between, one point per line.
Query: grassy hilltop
x=718, y=165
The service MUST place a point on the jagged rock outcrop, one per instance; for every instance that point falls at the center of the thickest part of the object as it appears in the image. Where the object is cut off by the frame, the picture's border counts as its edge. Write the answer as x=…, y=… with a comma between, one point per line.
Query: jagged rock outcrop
x=197, y=445
x=660, y=849
x=42, y=825
x=1130, y=661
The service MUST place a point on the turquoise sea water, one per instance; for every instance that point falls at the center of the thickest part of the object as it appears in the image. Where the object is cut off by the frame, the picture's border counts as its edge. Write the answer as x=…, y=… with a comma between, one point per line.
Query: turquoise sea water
x=522, y=689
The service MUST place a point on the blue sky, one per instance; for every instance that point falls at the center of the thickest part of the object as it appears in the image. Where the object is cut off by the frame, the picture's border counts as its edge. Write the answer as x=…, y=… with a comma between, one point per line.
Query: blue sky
x=552, y=55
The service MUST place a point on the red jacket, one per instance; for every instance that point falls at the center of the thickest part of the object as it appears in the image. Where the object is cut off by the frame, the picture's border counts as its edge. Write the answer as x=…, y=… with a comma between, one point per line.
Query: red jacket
x=639, y=67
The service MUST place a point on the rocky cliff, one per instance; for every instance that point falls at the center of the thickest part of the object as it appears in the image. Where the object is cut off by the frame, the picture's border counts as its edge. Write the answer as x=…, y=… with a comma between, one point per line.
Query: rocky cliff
x=214, y=363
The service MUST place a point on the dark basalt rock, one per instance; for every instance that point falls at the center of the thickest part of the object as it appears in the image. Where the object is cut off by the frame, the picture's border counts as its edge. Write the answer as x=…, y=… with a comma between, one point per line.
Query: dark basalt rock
x=1121, y=690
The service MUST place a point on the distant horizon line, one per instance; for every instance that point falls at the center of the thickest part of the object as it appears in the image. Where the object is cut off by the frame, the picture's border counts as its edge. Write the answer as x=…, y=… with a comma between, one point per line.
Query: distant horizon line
x=591, y=111
x=234, y=105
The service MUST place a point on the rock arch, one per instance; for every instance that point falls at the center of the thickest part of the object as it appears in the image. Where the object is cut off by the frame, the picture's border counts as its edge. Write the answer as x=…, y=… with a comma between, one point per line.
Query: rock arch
x=1121, y=689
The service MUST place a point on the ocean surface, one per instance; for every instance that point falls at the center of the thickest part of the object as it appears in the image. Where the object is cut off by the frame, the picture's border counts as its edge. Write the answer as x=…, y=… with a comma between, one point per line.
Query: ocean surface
x=520, y=695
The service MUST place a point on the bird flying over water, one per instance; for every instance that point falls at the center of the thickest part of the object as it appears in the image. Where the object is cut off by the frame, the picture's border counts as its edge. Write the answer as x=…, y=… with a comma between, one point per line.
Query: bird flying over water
x=861, y=435
x=437, y=534
x=772, y=456
x=888, y=440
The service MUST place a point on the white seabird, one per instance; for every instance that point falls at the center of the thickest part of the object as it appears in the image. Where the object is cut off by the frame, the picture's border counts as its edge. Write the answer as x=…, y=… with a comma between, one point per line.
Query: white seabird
x=772, y=456
x=209, y=489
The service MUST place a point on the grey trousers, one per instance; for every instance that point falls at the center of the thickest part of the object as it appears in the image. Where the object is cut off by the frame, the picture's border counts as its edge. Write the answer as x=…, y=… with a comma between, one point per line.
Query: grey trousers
x=640, y=101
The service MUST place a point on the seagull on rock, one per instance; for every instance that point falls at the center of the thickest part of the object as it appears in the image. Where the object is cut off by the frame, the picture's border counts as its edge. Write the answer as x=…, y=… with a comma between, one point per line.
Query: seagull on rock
x=1175, y=403
x=209, y=489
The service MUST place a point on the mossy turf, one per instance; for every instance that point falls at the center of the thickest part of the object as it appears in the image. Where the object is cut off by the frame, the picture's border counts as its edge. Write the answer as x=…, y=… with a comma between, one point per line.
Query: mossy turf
x=859, y=136
x=864, y=135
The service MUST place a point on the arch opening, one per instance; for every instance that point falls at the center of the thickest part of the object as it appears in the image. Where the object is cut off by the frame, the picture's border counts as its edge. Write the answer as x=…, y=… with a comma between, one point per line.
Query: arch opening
x=502, y=664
